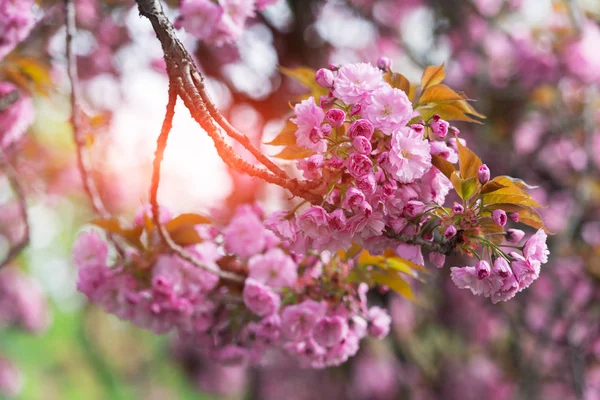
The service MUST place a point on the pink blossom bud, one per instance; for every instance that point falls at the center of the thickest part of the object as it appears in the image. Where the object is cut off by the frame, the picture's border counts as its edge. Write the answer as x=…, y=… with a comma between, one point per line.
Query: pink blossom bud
x=379, y=322
x=413, y=208
x=501, y=267
x=326, y=129
x=384, y=63
x=359, y=165
x=327, y=101
x=514, y=216
x=354, y=198
x=362, y=127
x=419, y=128
x=450, y=232
x=458, y=208
x=514, y=235
x=436, y=117
x=330, y=331
x=324, y=77
x=335, y=117
x=437, y=259
x=315, y=135
x=355, y=110
x=362, y=145
x=367, y=183
x=383, y=159
x=335, y=162
x=499, y=217
x=439, y=128
x=483, y=269
x=259, y=298
x=337, y=220
x=484, y=174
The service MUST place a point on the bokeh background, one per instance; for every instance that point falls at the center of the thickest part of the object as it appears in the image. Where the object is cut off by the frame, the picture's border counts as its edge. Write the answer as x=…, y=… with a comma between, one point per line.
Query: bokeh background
x=533, y=67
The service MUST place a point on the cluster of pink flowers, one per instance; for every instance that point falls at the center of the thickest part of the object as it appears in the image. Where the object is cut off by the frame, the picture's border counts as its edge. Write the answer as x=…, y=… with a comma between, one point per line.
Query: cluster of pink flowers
x=283, y=301
x=507, y=275
x=376, y=166
x=16, y=21
x=218, y=22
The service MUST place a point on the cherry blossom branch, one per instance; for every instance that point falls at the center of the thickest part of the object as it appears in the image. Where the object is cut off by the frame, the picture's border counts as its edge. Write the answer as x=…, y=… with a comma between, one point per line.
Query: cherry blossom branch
x=12, y=177
x=446, y=248
x=182, y=69
x=161, y=145
x=83, y=159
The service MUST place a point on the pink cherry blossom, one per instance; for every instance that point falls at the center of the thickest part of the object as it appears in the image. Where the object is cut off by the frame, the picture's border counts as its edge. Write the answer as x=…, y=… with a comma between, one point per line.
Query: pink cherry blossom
x=274, y=268
x=536, y=248
x=260, y=299
x=409, y=156
x=354, y=83
x=308, y=118
x=389, y=109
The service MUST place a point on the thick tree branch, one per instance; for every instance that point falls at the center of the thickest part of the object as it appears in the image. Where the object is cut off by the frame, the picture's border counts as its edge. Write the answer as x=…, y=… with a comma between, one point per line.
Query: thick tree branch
x=181, y=69
x=161, y=145
x=446, y=248
x=83, y=157
x=12, y=177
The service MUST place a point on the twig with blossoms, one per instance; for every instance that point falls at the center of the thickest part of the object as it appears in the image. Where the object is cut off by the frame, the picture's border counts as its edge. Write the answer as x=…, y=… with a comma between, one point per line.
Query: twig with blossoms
x=12, y=177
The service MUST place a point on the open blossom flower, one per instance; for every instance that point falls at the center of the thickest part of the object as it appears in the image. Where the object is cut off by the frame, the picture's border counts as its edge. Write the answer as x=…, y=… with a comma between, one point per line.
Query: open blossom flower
x=298, y=321
x=524, y=270
x=314, y=222
x=467, y=278
x=379, y=322
x=330, y=331
x=409, y=156
x=309, y=117
x=355, y=82
x=389, y=109
x=274, y=268
x=260, y=299
x=245, y=235
x=536, y=248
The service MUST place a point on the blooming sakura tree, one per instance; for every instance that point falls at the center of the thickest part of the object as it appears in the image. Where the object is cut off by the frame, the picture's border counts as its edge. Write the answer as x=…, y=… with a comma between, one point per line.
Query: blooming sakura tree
x=377, y=161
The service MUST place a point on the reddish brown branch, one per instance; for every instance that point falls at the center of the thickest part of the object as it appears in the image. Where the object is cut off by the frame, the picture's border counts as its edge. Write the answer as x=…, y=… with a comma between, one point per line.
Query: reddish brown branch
x=83, y=157
x=181, y=69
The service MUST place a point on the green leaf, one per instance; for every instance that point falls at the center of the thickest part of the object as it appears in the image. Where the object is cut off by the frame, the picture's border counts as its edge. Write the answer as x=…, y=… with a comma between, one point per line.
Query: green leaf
x=468, y=187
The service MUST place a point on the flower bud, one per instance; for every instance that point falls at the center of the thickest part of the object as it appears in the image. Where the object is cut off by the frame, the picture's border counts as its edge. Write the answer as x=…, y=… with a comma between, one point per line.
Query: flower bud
x=501, y=267
x=437, y=259
x=324, y=77
x=362, y=127
x=439, y=128
x=384, y=63
x=379, y=322
x=514, y=235
x=450, y=232
x=356, y=109
x=458, y=208
x=362, y=145
x=514, y=216
x=326, y=129
x=499, y=217
x=484, y=174
x=335, y=117
x=483, y=269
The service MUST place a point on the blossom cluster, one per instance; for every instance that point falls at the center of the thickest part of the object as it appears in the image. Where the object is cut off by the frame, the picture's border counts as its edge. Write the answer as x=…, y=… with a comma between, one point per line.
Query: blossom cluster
x=218, y=22
x=296, y=302
x=16, y=21
x=376, y=166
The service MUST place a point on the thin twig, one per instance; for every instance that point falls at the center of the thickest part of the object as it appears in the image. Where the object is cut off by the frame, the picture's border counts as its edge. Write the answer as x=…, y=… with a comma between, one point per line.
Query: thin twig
x=161, y=145
x=83, y=158
x=12, y=177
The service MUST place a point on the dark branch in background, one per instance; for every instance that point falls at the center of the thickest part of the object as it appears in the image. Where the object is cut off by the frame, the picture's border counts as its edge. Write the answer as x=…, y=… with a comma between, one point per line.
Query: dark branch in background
x=11, y=175
x=446, y=248
x=161, y=145
x=83, y=157
x=8, y=100
x=182, y=70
